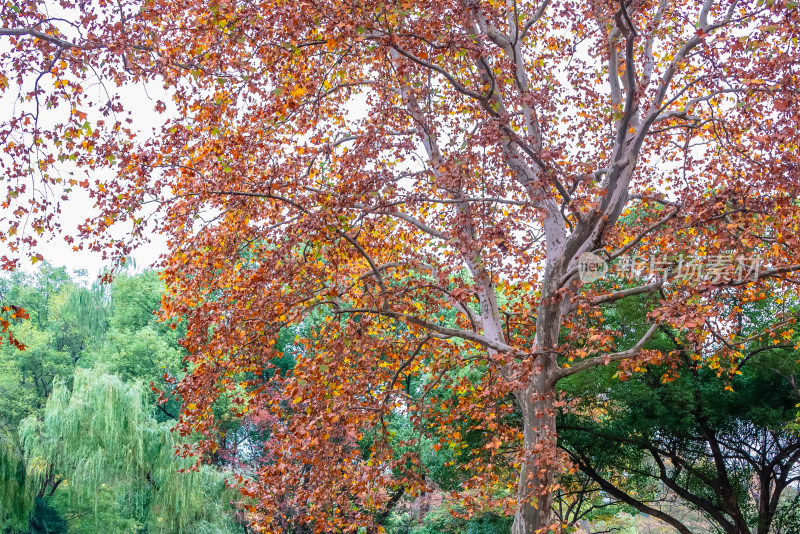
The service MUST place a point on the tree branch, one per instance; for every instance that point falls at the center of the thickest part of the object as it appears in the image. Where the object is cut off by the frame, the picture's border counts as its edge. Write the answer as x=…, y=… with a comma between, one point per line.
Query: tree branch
x=61, y=43
x=607, y=358
x=467, y=335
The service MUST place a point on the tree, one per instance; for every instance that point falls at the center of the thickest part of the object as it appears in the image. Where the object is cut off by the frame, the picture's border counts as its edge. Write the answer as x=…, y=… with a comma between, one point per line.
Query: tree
x=136, y=346
x=73, y=325
x=718, y=445
x=53, y=340
x=358, y=157
x=17, y=502
x=100, y=435
x=98, y=455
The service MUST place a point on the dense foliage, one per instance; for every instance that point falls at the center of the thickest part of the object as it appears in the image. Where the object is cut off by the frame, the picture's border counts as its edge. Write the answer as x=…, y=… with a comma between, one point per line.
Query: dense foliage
x=717, y=445
x=94, y=451
x=83, y=443
x=380, y=217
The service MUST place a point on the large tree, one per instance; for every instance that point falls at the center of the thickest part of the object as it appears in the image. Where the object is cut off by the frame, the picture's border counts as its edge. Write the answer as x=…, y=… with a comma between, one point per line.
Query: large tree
x=715, y=439
x=430, y=173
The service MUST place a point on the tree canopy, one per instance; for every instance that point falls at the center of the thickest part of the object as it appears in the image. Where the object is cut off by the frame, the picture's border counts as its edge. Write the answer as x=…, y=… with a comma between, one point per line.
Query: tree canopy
x=428, y=178
x=102, y=434
x=717, y=444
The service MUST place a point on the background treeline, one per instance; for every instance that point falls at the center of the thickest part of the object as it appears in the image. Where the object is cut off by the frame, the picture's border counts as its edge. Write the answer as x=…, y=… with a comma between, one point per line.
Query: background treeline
x=687, y=443
x=84, y=446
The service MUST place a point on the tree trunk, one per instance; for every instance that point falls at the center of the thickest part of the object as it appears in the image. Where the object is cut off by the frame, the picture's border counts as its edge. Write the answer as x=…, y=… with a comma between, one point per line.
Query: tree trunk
x=537, y=402
x=534, y=496
x=768, y=500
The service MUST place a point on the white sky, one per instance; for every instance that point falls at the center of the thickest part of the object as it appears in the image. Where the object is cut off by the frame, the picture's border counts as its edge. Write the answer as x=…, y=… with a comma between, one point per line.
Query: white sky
x=60, y=253
x=138, y=98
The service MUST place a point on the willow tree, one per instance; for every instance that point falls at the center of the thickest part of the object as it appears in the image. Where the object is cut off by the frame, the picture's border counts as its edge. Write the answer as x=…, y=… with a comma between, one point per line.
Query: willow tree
x=16, y=504
x=102, y=433
x=359, y=156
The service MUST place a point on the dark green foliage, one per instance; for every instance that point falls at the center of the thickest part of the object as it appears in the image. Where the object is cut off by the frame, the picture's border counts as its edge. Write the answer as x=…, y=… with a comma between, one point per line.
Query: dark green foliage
x=46, y=519
x=787, y=517
x=490, y=524
x=651, y=433
x=16, y=496
x=439, y=520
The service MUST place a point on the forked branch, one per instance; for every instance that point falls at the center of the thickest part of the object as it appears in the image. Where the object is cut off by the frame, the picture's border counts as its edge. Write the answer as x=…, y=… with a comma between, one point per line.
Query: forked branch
x=608, y=358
